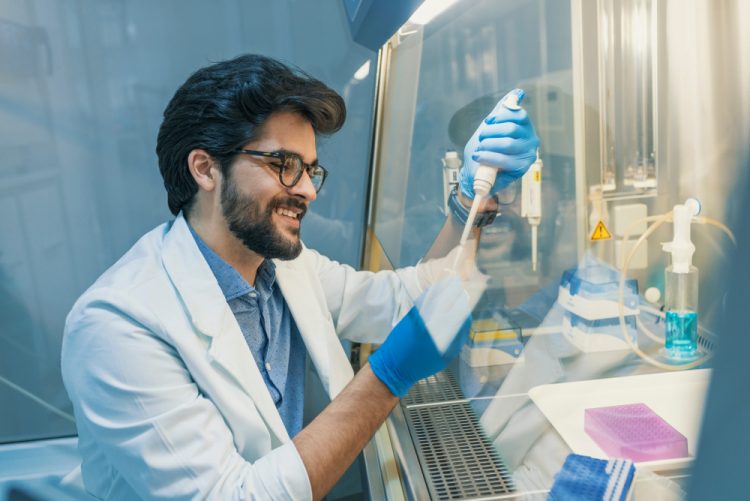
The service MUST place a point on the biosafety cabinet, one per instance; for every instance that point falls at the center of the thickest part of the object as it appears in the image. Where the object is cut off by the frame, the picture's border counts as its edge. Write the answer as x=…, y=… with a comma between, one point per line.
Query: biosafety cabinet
x=642, y=112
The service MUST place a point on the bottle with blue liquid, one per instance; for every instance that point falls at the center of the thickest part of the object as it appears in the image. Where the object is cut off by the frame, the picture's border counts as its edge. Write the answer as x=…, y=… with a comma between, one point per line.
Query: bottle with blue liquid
x=681, y=305
x=681, y=288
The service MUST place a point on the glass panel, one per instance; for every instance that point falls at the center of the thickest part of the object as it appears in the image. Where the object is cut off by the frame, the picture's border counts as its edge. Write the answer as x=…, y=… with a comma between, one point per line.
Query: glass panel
x=82, y=89
x=445, y=77
x=607, y=94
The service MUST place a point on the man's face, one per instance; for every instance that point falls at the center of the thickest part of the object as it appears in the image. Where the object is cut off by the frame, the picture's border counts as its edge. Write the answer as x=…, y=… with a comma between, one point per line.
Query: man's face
x=261, y=212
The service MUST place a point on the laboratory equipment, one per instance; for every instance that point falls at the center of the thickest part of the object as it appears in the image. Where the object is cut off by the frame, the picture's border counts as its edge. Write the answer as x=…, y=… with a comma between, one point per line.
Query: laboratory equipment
x=451, y=166
x=589, y=296
x=493, y=340
x=611, y=138
x=623, y=216
x=634, y=431
x=681, y=288
x=484, y=177
x=625, y=41
x=677, y=397
x=531, y=203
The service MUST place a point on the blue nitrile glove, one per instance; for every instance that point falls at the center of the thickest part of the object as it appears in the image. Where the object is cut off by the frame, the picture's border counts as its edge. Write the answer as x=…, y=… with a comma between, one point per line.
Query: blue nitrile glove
x=426, y=339
x=506, y=140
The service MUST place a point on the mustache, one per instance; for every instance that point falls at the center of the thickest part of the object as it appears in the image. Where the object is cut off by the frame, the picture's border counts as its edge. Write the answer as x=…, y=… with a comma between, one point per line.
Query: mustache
x=290, y=202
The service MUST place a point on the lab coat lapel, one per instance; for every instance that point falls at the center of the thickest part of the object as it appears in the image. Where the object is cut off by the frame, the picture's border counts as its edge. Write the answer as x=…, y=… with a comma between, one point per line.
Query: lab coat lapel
x=229, y=350
x=314, y=324
x=211, y=315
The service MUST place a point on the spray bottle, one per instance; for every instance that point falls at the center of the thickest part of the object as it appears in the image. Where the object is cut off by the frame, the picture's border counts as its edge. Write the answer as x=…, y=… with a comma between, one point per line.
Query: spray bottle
x=681, y=287
x=484, y=178
x=531, y=203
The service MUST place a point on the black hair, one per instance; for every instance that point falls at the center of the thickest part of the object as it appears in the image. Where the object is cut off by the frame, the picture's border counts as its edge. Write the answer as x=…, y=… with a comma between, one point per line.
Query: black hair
x=223, y=106
x=464, y=122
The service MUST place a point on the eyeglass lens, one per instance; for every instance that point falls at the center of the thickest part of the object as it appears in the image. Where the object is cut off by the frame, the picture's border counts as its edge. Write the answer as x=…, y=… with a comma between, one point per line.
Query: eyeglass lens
x=292, y=172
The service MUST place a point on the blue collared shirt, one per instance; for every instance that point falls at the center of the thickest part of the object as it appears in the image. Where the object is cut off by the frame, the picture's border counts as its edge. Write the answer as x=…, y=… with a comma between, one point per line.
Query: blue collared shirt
x=270, y=331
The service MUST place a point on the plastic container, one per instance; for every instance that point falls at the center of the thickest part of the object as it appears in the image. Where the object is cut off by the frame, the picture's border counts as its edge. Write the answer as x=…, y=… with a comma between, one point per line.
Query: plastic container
x=635, y=432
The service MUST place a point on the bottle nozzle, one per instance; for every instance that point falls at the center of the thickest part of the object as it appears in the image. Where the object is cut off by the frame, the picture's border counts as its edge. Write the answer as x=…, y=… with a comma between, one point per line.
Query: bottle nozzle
x=681, y=246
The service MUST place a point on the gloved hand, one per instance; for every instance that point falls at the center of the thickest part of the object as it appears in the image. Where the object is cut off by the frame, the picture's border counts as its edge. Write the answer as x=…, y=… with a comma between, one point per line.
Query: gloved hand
x=506, y=140
x=459, y=262
x=426, y=339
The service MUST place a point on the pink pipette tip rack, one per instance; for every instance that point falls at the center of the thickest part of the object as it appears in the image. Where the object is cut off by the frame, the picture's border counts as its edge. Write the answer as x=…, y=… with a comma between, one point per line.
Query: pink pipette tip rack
x=635, y=432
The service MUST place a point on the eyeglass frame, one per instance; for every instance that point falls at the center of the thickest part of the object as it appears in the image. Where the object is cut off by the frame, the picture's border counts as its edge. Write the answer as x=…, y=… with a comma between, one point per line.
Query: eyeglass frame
x=282, y=157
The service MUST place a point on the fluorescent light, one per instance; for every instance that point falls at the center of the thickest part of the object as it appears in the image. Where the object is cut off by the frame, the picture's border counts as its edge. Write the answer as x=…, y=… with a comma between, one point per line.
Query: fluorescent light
x=429, y=10
x=363, y=71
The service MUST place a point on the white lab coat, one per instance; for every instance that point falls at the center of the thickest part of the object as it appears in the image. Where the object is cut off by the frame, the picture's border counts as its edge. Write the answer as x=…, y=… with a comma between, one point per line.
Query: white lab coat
x=169, y=403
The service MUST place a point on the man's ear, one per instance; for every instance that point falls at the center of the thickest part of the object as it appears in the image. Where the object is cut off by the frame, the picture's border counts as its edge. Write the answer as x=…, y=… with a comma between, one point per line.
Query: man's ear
x=204, y=169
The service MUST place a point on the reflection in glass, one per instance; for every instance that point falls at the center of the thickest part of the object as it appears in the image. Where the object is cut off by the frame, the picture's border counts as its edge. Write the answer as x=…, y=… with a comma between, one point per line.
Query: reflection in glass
x=604, y=102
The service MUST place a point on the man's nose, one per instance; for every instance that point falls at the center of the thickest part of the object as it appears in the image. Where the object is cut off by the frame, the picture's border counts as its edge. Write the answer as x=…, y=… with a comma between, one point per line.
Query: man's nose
x=304, y=188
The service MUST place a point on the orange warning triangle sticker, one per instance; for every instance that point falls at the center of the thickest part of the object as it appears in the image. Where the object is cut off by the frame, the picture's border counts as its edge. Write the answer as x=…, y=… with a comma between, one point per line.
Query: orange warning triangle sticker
x=601, y=232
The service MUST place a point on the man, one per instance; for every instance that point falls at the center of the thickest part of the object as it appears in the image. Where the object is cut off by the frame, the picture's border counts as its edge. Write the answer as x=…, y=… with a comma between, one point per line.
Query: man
x=185, y=360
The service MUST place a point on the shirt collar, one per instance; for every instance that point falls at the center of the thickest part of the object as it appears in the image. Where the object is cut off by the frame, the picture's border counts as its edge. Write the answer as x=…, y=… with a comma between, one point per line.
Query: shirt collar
x=230, y=281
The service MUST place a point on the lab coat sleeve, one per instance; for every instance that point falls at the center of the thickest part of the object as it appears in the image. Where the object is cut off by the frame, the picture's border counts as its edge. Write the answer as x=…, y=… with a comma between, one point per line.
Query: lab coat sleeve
x=365, y=305
x=134, y=398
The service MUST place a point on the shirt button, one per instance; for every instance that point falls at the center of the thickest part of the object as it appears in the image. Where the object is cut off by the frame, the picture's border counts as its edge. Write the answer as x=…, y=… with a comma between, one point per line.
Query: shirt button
x=253, y=295
x=268, y=367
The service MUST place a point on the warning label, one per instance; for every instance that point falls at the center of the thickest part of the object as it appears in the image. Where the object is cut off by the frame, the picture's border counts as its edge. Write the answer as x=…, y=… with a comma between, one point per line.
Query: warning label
x=601, y=232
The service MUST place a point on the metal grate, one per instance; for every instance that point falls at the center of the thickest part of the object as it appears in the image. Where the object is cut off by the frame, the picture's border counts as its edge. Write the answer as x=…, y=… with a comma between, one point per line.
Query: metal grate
x=457, y=458
x=440, y=388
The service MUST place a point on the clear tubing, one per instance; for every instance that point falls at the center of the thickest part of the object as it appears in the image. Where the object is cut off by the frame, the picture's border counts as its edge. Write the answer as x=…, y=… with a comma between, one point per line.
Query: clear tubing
x=659, y=220
x=718, y=224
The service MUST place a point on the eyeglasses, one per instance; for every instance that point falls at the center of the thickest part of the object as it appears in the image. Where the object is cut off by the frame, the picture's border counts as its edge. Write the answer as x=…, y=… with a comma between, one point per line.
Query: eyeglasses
x=507, y=195
x=290, y=167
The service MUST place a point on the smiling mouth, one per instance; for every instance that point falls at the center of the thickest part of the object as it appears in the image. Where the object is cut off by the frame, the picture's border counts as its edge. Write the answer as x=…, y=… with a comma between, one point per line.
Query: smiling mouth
x=292, y=213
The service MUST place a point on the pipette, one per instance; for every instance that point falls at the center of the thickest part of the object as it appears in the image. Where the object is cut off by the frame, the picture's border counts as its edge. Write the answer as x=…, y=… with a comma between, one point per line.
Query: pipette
x=484, y=178
x=531, y=202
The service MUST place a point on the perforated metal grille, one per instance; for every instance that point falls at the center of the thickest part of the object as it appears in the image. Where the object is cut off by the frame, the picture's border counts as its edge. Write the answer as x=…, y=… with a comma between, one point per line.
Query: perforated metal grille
x=457, y=459
x=442, y=387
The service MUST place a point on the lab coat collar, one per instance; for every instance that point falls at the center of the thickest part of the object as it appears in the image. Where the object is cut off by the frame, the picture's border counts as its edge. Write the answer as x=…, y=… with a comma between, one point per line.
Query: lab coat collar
x=211, y=315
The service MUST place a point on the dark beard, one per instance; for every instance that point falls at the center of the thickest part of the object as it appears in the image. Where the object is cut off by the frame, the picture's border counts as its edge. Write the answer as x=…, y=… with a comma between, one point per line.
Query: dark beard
x=254, y=227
